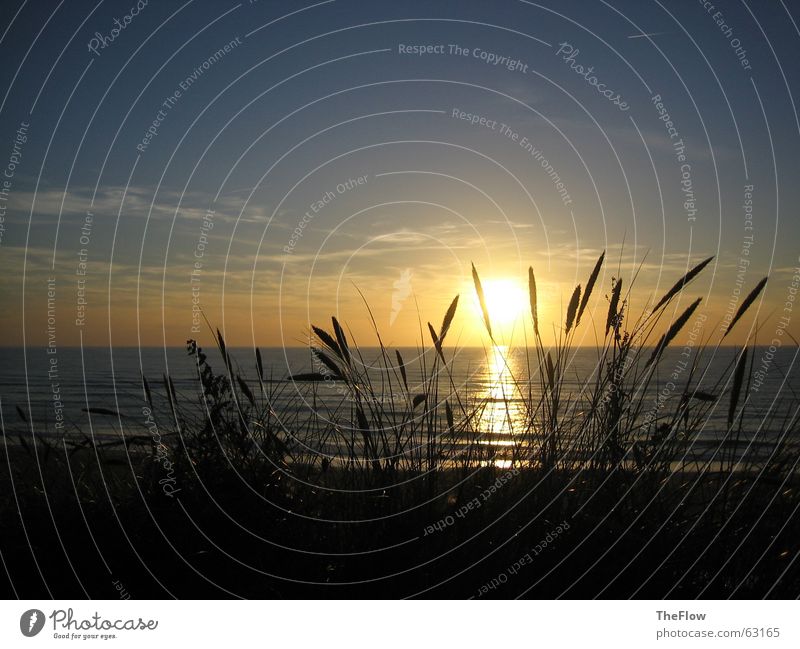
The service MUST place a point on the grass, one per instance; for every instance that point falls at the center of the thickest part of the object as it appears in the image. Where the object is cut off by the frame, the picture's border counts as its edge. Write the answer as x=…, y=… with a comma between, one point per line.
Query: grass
x=234, y=492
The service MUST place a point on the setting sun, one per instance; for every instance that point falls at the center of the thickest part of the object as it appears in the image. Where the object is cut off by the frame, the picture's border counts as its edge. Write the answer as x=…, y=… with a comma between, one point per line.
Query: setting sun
x=506, y=301
x=426, y=300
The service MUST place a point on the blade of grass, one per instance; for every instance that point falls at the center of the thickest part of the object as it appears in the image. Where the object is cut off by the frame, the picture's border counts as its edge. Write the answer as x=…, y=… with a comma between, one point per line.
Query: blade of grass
x=482, y=300
x=402, y=368
x=736, y=389
x=572, y=308
x=327, y=362
x=746, y=304
x=683, y=281
x=342, y=340
x=327, y=340
x=673, y=331
x=448, y=319
x=532, y=295
x=590, y=286
x=613, y=305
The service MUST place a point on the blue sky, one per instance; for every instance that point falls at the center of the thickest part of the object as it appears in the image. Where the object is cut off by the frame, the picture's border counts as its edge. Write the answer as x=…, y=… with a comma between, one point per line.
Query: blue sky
x=309, y=96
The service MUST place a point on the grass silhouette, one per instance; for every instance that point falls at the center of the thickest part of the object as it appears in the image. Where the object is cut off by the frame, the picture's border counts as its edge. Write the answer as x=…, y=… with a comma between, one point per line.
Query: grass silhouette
x=394, y=488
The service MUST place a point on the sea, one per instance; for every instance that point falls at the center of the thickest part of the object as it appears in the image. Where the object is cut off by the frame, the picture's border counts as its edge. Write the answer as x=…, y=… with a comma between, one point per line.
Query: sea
x=98, y=391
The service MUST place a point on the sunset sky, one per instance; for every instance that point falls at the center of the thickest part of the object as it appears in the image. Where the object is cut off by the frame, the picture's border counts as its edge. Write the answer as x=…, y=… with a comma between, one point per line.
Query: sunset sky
x=301, y=152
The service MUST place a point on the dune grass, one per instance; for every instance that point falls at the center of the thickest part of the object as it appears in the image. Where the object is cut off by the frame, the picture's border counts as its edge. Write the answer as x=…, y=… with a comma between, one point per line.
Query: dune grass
x=404, y=445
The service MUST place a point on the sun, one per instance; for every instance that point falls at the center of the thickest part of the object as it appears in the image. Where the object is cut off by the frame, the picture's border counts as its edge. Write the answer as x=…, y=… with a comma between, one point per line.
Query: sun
x=506, y=301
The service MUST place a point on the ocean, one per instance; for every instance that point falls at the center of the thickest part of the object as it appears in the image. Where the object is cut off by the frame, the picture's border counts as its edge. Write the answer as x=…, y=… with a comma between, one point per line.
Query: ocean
x=47, y=389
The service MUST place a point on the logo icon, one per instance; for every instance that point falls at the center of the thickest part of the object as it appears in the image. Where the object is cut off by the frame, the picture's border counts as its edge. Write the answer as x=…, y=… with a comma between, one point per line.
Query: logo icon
x=402, y=289
x=31, y=622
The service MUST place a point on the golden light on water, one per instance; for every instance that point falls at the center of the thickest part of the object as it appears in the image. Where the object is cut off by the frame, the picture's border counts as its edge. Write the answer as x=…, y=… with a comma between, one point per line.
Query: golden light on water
x=503, y=412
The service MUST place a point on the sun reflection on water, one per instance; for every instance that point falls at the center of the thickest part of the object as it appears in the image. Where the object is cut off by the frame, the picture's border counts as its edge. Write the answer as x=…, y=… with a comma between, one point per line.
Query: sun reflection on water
x=502, y=415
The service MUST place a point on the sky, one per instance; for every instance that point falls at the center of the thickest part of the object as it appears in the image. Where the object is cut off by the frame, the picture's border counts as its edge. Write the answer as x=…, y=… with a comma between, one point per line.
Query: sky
x=261, y=166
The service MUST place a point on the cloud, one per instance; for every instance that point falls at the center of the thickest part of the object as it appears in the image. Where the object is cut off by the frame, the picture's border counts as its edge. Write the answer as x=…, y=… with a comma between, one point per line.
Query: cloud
x=49, y=203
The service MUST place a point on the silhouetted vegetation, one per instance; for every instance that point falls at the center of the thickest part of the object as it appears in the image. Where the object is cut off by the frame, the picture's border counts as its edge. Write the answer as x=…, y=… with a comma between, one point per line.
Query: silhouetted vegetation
x=395, y=488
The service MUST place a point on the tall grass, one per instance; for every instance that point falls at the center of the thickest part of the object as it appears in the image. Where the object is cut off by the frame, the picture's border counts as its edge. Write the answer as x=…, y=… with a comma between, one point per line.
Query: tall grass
x=382, y=425
x=385, y=426
x=400, y=430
